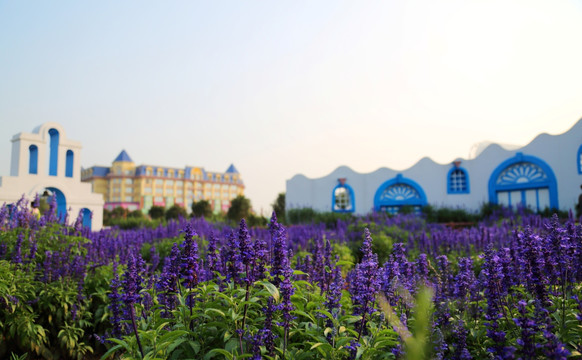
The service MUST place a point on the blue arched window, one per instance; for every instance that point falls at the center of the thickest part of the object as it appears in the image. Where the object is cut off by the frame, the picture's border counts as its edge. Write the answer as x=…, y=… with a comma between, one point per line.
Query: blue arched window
x=87, y=217
x=398, y=192
x=53, y=152
x=69, y=163
x=342, y=198
x=524, y=180
x=579, y=160
x=33, y=159
x=458, y=181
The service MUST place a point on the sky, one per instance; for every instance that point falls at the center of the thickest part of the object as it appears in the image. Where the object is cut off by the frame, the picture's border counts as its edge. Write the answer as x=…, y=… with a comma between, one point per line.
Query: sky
x=280, y=88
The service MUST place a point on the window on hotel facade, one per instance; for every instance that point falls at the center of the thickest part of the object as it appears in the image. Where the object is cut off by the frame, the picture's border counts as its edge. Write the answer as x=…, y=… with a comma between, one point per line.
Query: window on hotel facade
x=128, y=181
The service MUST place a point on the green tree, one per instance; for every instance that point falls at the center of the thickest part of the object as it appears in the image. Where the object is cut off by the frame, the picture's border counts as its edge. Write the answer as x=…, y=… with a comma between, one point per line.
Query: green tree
x=157, y=212
x=136, y=214
x=119, y=213
x=279, y=207
x=175, y=212
x=240, y=208
x=201, y=208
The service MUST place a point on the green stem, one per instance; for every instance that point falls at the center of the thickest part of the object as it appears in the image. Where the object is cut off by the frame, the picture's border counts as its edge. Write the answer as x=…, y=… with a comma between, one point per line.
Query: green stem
x=132, y=314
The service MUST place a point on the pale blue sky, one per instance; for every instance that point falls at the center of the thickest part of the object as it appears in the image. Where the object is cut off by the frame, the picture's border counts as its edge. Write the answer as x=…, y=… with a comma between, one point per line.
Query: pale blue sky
x=286, y=87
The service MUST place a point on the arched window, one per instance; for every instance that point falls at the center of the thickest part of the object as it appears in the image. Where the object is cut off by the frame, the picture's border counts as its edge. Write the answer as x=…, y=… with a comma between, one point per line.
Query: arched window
x=458, y=181
x=579, y=160
x=524, y=181
x=53, y=152
x=33, y=159
x=69, y=163
x=393, y=194
x=87, y=217
x=342, y=197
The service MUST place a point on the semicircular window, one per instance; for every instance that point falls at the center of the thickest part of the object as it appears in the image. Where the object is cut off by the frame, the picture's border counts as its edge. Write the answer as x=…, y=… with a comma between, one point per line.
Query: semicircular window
x=343, y=199
x=397, y=193
x=524, y=181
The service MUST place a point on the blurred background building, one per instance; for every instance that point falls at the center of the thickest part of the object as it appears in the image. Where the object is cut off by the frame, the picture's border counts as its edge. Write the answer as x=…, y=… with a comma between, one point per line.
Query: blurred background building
x=140, y=187
x=544, y=174
x=46, y=163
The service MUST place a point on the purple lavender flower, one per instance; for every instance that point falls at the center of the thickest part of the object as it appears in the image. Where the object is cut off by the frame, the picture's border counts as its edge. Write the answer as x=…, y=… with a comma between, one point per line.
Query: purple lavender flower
x=232, y=257
x=528, y=329
x=366, y=283
x=16, y=254
x=132, y=282
x=212, y=257
x=460, y=335
x=261, y=258
x=267, y=330
x=115, y=305
x=532, y=263
x=465, y=280
x=167, y=285
x=189, y=258
x=247, y=252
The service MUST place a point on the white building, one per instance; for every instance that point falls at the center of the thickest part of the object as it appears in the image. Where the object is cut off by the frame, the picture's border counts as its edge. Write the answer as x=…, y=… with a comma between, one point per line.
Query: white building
x=545, y=173
x=46, y=160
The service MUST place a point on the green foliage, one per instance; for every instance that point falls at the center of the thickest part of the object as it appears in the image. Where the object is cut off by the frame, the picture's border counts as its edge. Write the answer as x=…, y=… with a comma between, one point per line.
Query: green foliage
x=448, y=215
x=136, y=214
x=279, y=207
x=257, y=220
x=240, y=208
x=310, y=216
x=175, y=212
x=201, y=208
x=157, y=212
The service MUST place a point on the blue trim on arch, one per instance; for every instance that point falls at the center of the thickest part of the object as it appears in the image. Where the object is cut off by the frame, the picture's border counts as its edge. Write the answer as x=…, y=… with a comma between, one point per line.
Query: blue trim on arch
x=61, y=203
x=450, y=189
x=579, y=160
x=54, y=152
x=87, y=217
x=70, y=159
x=351, y=195
x=419, y=200
x=33, y=160
x=549, y=182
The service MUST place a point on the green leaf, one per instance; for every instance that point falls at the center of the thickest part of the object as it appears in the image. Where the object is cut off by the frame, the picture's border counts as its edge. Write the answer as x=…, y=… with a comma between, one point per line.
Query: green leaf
x=213, y=352
x=303, y=313
x=299, y=272
x=272, y=289
x=219, y=312
x=344, y=262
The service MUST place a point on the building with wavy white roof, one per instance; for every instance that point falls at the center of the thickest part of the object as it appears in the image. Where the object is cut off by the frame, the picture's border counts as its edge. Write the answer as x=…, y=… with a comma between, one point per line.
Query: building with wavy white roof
x=546, y=173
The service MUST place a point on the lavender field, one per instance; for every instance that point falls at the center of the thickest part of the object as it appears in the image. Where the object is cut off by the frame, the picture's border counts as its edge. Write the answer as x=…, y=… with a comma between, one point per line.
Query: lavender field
x=376, y=287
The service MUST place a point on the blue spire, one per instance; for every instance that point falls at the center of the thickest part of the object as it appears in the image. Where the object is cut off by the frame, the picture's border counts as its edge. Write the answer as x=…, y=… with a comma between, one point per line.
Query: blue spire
x=122, y=157
x=231, y=169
